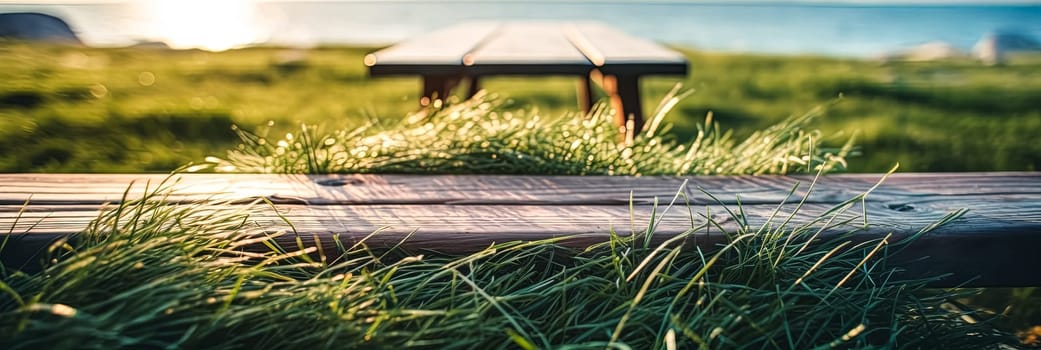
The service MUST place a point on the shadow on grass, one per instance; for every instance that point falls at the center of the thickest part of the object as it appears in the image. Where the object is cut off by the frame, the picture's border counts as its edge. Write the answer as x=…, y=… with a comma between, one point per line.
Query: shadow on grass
x=31, y=99
x=56, y=143
x=729, y=118
x=982, y=99
x=911, y=153
x=22, y=99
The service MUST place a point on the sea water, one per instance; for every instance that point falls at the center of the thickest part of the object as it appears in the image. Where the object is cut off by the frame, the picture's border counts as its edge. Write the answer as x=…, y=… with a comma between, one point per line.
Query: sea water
x=820, y=28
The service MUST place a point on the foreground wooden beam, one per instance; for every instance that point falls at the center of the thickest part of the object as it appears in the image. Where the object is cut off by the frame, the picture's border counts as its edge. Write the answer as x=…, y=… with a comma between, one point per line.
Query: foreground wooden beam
x=993, y=244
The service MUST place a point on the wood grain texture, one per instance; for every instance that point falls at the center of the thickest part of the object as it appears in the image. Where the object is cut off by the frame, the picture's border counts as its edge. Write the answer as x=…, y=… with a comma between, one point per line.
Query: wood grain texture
x=507, y=189
x=991, y=245
x=526, y=48
x=616, y=53
x=584, y=49
x=438, y=52
x=529, y=48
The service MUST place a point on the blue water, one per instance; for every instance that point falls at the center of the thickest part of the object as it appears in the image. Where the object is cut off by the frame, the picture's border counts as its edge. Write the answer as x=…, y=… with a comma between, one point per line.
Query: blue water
x=836, y=30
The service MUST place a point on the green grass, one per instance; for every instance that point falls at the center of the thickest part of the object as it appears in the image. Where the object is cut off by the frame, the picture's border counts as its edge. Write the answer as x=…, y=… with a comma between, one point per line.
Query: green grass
x=78, y=109
x=926, y=116
x=481, y=136
x=145, y=275
x=154, y=274
x=74, y=109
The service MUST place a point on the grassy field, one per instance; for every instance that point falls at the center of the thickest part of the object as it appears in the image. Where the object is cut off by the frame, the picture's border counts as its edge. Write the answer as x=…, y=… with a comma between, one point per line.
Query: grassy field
x=76, y=109
x=149, y=274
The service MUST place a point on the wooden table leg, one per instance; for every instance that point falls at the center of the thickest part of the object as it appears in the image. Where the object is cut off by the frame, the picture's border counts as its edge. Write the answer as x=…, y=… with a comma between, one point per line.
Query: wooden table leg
x=629, y=92
x=432, y=85
x=475, y=86
x=585, y=94
x=624, y=91
x=437, y=87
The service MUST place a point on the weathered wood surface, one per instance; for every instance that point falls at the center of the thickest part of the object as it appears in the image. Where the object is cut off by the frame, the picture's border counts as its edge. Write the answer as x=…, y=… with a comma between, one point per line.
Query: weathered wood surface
x=995, y=243
x=618, y=53
x=438, y=52
x=469, y=51
x=526, y=47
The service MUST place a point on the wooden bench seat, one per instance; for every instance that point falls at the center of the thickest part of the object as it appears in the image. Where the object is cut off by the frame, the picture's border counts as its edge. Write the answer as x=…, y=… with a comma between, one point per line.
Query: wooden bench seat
x=589, y=50
x=994, y=244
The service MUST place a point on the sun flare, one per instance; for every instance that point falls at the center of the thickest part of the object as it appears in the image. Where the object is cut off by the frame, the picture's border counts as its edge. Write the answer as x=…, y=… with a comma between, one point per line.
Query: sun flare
x=213, y=25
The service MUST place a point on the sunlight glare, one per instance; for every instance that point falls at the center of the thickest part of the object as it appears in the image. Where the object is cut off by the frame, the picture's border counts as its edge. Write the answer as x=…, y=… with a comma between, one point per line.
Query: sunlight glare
x=214, y=25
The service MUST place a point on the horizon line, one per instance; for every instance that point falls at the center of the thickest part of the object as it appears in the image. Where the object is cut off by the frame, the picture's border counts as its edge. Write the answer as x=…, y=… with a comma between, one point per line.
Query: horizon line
x=865, y=3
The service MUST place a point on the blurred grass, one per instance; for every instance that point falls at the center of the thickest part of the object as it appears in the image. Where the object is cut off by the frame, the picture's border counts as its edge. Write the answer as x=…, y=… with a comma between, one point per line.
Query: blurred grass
x=151, y=274
x=145, y=110
x=139, y=109
x=478, y=136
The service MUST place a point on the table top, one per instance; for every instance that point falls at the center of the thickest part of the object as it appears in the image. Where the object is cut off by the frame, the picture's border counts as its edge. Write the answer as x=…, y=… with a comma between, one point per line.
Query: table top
x=526, y=48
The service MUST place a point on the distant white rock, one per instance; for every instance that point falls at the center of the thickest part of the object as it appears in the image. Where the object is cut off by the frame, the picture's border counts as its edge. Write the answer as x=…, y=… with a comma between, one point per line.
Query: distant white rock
x=930, y=51
x=150, y=44
x=30, y=26
x=994, y=48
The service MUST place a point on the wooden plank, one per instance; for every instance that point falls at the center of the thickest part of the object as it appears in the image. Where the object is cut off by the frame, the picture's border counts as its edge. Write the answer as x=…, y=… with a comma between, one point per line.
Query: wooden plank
x=439, y=52
x=992, y=245
x=579, y=218
x=982, y=243
x=616, y=53
x=507, y=189
x=529, y=48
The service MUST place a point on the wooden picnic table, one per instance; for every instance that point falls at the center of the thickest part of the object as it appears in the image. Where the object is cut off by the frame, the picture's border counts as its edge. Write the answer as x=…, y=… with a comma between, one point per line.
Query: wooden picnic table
x=994, y=244
x=592, y=51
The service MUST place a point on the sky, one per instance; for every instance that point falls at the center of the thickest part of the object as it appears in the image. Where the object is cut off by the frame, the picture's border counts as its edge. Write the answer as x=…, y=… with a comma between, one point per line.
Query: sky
x=862, y=2
x=223, y=24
